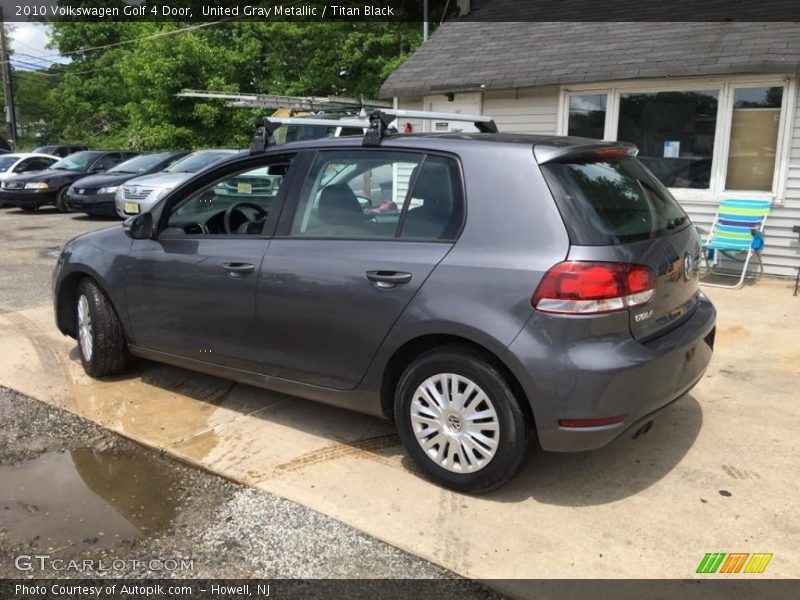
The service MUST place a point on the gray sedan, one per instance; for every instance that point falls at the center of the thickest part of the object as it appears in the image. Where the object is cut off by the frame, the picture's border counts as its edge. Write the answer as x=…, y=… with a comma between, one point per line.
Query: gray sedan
x=142, y=193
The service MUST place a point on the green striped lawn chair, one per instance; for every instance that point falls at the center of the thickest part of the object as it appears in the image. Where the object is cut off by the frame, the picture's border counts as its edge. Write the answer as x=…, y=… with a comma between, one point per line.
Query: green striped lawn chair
x=738, y=230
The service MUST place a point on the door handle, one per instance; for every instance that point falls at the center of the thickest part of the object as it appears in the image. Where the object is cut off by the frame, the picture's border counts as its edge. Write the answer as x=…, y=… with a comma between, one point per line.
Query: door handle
x=388, y=279
x=238, y=269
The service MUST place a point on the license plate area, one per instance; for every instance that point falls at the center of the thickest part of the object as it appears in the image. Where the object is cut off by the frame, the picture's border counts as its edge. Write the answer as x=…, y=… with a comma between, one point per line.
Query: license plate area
x=131, y=207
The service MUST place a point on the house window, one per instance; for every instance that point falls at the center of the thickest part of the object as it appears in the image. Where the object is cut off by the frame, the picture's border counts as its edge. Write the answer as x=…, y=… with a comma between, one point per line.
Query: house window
x=699, y=139
x=674, y=132
x=755, y=128
x=587, y=115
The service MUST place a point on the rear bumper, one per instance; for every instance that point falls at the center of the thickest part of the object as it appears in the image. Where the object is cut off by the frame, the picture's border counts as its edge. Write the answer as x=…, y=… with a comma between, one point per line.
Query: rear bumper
x=605, y=376
x=94, y=204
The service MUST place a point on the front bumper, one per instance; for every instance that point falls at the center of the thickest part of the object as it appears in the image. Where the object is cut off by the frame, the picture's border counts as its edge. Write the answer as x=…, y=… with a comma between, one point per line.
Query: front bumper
x=142, y=205
x=92, y=204
x=606, y=375
x=28, y=197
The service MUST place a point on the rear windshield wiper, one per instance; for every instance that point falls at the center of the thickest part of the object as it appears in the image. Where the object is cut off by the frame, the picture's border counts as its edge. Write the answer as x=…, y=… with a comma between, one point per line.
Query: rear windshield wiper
x=676, y=222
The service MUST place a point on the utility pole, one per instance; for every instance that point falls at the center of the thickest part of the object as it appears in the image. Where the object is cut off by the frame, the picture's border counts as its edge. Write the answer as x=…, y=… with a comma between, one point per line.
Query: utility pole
x=8, y=90
x=425, y=24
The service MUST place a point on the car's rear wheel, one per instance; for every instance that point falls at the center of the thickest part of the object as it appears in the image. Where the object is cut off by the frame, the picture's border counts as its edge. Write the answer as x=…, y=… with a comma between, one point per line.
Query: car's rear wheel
x=460, y=420
x=101, y=339
x=61, y=201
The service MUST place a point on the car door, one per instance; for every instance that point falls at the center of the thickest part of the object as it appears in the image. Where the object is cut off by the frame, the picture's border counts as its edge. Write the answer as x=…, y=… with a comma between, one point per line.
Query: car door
x=341, y=270
x=191, y=291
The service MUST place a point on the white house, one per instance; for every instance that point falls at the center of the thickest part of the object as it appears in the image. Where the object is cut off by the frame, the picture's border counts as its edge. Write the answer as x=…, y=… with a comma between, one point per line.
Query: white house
x=711, y=106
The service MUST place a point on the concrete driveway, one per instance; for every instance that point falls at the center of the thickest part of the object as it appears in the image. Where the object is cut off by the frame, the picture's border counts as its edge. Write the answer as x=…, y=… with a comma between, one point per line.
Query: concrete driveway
x=718, y=472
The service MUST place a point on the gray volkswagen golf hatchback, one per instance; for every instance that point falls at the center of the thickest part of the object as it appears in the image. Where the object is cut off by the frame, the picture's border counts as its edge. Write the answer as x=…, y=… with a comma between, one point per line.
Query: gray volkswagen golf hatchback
x=478, y=289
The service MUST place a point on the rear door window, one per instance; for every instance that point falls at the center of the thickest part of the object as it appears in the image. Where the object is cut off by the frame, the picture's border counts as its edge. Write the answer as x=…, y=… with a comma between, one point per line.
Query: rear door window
x=354, y=194
x=380, y=194
x=612, y=202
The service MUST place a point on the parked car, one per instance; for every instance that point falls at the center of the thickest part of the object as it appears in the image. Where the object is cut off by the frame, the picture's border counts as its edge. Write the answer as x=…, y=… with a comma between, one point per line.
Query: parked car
x=572, y=314
x=141, y=194
x=61, y=150
x=31, y=191
x=94, y=195
x=15, y=164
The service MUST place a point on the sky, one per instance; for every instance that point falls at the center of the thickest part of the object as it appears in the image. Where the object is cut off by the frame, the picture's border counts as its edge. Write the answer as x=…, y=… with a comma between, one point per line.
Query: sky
x=29, y=39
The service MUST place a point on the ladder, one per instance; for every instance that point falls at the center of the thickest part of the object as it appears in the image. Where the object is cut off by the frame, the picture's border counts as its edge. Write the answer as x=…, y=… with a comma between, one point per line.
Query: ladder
x=376, y=126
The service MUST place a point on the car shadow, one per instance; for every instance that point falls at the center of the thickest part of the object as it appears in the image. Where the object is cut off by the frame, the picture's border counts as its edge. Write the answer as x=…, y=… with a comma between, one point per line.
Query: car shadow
x=622, y=469
x=100, y=218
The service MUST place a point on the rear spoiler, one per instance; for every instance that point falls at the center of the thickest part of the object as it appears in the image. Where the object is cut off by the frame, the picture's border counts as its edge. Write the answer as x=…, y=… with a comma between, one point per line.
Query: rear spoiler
x=593, y=151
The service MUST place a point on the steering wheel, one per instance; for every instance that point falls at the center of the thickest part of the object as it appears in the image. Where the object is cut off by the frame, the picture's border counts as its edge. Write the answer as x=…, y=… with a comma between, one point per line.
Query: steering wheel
x=226, y=223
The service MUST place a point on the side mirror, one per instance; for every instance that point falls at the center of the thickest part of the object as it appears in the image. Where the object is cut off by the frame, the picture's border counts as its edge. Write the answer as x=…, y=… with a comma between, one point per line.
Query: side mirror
x=139, y=227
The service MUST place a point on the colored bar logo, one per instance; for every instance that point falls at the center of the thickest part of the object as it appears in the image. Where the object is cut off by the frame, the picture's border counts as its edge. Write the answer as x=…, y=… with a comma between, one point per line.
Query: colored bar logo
x=734, y=562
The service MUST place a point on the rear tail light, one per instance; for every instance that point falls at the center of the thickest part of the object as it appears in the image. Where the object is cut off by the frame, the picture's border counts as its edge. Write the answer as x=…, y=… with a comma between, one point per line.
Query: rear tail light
x=582, y=287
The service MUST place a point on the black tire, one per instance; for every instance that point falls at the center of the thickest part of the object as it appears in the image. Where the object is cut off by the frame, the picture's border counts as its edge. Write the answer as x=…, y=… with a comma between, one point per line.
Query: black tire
x=109, y=348
x=61, y=201
x=29, y=208
x=513, y=425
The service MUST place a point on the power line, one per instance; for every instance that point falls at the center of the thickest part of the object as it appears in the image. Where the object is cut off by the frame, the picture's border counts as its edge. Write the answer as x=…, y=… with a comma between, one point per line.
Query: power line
x=138, y=39
x=68, y=72
x=49, y=60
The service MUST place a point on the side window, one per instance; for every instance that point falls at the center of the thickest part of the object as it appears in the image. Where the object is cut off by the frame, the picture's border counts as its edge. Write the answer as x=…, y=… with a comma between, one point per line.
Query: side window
x=33, y=164
x=239, y=204
x=436, y=204
x=352, y=193
x=108, y=161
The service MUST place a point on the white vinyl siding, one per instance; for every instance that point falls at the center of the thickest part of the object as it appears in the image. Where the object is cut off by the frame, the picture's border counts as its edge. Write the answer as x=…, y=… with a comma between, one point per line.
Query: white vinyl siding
x=527, y=110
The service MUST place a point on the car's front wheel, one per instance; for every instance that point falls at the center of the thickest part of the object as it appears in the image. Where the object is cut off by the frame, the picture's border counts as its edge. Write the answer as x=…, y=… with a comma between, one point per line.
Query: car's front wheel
x=460, y=420
x=61, y=201
x=101, y=339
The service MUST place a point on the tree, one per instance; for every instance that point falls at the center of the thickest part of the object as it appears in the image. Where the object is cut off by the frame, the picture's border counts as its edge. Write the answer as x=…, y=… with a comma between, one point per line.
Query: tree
x=124, y=93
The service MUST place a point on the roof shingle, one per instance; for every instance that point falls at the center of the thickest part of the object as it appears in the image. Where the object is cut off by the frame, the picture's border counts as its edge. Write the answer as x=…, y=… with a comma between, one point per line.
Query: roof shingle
x=464, y=55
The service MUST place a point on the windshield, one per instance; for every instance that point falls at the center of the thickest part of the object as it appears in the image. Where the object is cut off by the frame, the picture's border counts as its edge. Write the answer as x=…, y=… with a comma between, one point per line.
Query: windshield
x=79, y=161
x=140, y=164
x=7, y=161
x=198, y=161
x=44, y=149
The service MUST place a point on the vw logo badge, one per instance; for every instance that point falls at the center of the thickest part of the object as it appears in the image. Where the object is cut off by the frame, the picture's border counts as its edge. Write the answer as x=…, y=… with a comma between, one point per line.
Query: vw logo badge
x=688, y=267
x=454, y=421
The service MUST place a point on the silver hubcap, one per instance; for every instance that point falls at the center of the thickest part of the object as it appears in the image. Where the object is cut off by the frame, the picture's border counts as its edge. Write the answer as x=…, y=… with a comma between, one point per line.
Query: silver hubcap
x=85, y=327
x=455, y=423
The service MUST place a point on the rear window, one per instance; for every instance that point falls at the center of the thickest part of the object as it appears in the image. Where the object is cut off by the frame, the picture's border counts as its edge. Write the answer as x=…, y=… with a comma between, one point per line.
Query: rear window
x=612, y=202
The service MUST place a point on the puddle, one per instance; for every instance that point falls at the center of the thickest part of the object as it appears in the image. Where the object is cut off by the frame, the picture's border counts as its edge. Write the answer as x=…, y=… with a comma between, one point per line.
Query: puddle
x=50, y=252
x=85, y=498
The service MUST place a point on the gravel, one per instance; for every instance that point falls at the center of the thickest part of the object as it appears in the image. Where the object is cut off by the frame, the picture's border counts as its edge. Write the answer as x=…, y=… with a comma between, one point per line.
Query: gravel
x=227, y=530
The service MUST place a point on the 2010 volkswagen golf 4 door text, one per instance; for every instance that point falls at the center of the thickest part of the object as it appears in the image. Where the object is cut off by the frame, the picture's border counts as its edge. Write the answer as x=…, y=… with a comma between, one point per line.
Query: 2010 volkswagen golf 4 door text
x=478, y=289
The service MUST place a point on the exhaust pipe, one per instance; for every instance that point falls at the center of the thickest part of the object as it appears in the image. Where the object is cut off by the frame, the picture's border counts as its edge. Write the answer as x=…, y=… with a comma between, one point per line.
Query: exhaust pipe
x=643, y=429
